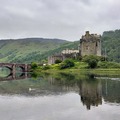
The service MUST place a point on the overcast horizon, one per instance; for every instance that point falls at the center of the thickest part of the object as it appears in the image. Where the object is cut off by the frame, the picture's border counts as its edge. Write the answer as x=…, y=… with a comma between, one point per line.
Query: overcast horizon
x=61, y=19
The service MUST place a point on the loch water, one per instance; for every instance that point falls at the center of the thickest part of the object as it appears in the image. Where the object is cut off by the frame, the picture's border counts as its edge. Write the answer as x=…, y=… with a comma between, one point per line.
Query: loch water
x=60, y=97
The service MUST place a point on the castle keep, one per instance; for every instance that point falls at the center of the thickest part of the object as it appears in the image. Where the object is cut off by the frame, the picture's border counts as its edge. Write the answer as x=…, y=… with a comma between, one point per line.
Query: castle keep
x=90, y=44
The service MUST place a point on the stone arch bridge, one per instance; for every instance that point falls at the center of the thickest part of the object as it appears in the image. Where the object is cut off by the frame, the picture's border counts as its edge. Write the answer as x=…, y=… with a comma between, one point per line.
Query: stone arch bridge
x=12, y=67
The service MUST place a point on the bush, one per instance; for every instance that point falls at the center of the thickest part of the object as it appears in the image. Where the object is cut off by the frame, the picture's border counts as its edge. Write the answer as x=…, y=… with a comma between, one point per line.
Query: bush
x=34, y=65
x=63, y=66
x=92, y=60
x=67, y=64
x=92, y=63
x=54, y=66
x=108, y=65
x=87, y=58
x=103, y=58
x=46, y=67
x=102, y=65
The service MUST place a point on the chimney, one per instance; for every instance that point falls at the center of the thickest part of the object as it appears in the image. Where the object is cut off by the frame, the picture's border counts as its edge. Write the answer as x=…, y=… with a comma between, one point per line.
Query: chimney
x=87, y=32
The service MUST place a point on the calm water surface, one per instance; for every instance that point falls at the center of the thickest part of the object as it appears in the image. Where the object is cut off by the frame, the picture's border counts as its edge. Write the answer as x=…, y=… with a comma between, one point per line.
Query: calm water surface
x=60, y=97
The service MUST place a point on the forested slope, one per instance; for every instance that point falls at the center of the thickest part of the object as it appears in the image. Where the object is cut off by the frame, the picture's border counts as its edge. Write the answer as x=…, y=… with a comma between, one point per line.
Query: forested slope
x=19, y=50
x=111, y=44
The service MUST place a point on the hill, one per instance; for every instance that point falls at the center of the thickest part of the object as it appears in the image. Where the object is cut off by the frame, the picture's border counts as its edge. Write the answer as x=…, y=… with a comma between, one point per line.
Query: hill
x=18, y=50
x=111, y=45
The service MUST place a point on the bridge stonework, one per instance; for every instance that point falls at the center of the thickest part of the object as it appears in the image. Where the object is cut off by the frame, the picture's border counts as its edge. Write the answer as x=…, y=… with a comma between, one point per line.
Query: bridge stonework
x=12, y=67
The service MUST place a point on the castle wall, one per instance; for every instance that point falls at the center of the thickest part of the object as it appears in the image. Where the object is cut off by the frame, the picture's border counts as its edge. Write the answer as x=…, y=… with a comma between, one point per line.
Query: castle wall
x=88, y=48
x=62, y=57
x=52, y=59
x=99, y=48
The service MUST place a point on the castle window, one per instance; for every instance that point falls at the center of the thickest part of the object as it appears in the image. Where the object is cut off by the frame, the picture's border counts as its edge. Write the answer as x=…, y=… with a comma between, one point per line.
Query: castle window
x=96, y=44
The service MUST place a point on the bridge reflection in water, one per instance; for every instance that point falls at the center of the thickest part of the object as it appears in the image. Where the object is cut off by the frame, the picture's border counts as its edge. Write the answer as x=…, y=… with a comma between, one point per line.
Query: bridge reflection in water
x=24, y=75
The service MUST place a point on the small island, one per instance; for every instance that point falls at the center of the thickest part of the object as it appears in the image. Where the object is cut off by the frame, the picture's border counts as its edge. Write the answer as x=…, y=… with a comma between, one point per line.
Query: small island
x=88, y=57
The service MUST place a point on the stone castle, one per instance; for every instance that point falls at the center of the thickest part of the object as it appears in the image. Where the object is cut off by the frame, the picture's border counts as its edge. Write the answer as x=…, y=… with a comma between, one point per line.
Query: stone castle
x=90, y=44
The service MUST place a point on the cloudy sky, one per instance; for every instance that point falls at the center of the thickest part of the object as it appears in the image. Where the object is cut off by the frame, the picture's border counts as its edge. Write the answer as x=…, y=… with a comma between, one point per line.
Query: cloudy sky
x=66, y=19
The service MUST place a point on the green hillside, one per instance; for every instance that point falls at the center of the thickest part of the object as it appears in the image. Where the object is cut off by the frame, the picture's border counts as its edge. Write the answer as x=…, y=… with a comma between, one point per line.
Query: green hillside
x=38, y=57
x=111, y=44
x=19, y=50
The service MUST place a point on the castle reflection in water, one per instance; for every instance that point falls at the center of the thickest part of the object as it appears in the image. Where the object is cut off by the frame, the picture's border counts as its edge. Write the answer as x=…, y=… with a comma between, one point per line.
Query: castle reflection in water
x=91, y=94
x=90, y=90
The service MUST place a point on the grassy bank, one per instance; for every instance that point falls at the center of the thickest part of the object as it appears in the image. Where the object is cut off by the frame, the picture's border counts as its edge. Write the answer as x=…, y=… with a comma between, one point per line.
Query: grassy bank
x=79, y=67
x=97, y=71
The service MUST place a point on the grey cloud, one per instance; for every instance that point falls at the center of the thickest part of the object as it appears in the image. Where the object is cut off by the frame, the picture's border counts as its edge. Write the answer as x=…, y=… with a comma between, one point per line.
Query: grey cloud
x=87, y=2
x=67, y=19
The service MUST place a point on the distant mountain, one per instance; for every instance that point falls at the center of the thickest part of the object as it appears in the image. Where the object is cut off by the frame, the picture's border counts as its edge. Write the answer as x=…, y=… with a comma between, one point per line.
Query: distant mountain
x=111, y=45
x=18, y=50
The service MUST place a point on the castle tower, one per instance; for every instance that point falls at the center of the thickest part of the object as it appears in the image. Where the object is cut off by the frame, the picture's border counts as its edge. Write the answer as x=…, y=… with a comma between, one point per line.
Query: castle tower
x=90, y=44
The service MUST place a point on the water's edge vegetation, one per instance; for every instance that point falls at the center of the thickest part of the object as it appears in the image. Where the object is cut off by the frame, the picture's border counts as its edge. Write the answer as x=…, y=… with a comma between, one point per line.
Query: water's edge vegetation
x=88, y=64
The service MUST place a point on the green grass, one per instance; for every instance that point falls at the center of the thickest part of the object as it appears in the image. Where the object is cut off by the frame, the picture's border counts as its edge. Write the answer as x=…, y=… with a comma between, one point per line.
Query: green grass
x=82, y=68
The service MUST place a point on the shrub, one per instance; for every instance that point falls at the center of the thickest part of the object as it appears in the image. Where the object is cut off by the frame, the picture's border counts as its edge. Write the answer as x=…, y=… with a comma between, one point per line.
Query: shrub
x=108, y=65
x=92, y=60
x=63, y=66
x=92, y=63
x=54, y=66
x=34, y=65
x=67, y=64
x=103, y=58
x=87, y=58
x=46, y=67
x=102, y=64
